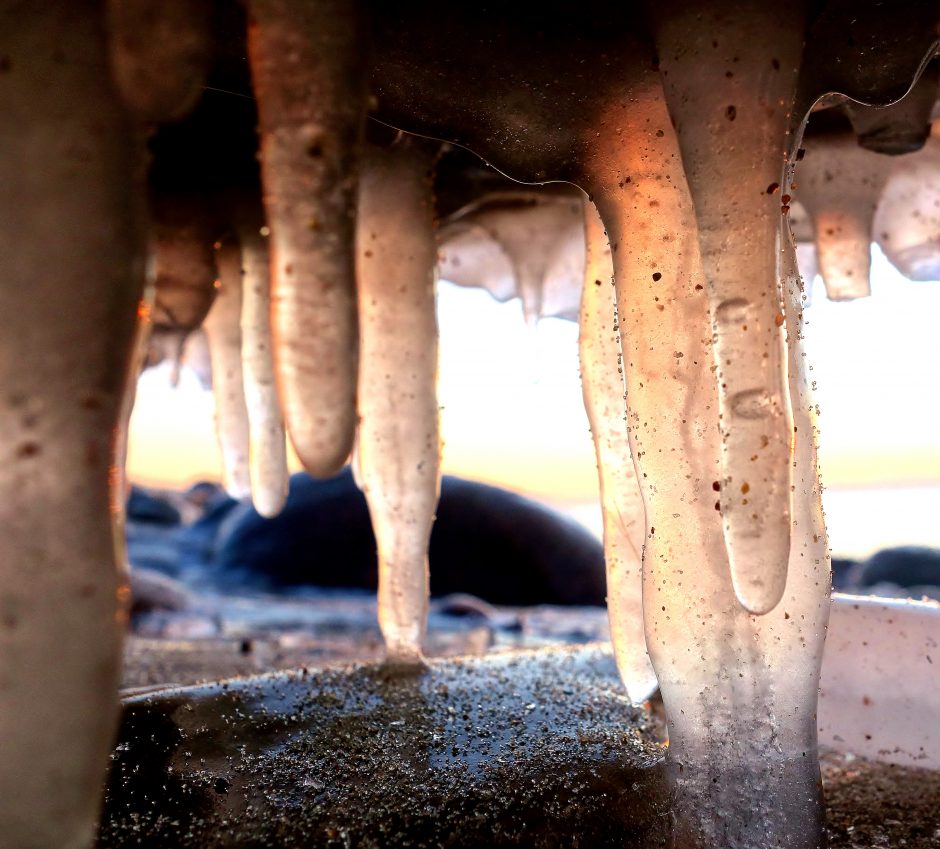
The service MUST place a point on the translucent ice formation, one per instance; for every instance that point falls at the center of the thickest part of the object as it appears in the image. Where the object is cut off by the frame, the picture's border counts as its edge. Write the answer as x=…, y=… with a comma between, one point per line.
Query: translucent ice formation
x=309, y=77
x=880, y=689
x=733, y=126
x=519, y=243
x=72, y=261
x=267, y=447
x=224, y=332
x=839, y=185
x=621, y=499
x=399, y=439
x=182, y=234
x=739, y=689
x=907, y=223
x=159, y=54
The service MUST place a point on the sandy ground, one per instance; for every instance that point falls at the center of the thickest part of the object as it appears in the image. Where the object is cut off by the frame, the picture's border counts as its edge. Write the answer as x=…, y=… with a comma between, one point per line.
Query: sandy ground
x=869, y=805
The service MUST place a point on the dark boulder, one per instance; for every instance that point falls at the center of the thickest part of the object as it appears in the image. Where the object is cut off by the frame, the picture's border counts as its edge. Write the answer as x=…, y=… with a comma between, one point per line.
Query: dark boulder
x=493, y=544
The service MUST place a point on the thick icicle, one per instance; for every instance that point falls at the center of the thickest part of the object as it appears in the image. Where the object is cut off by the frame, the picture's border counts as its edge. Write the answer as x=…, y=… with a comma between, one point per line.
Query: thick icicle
x=621, y=499
x=267, y=455
x=309, y=76
x=739, y=689
x=223, y=329
x=907, y=223
x=839, y=186
x=399, y=441
x=159, y=54
x=72, y=276
x=733, y=125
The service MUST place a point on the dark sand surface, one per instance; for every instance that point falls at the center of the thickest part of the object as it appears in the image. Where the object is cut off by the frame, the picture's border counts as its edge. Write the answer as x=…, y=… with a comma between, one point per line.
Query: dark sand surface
x=533, y=749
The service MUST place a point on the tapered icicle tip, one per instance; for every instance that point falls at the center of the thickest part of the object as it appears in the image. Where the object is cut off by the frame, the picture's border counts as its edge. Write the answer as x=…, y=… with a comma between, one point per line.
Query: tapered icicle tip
x=758, y=582
x=621, y=499
x=309, y=73
x=267, y=441
x=224, y=334
x=843, y=254
x=399, y=432
x=839, y=186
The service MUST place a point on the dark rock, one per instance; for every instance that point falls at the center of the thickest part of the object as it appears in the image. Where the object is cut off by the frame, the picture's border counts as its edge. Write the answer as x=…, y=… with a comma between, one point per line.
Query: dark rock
x=844, y=574
x=487, y=542
x=907, y=566
x=151, y=590
x=146, y=507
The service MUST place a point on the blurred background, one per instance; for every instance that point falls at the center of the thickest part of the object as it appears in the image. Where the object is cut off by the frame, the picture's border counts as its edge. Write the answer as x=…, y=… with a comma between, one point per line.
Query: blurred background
x=512, y=413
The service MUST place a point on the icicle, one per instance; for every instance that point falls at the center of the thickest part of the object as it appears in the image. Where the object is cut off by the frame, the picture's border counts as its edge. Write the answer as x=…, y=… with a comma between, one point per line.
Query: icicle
x=733, y=125
x=224, y=332
x=523, y=244
x=182, y=238
x=71, y=286
x=309, y=76
x=624, y=519
x=399, y=441
x=159, y=54
x=739, y=689
x=907, y=223
x=839, y=186
x=267, y=456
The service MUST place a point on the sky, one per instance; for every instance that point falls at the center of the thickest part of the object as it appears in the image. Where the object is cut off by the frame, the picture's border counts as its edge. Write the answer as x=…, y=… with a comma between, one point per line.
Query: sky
x=512, y=412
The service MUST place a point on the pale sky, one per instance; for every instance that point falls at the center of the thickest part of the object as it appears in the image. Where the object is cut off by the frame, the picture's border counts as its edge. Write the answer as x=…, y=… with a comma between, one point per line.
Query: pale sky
x=513, y=415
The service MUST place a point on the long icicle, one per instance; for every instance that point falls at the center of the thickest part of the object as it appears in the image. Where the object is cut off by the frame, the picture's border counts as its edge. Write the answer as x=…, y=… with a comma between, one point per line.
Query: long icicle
x=733, y=128
x=224, y=332
x=622, y=502
x=739, y=689
x=399, y=441
x=267, y=458
x=309, y=74
x=72, y=257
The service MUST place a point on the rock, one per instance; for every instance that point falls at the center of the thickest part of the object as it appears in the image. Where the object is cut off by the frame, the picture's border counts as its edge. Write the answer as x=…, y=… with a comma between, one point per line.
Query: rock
x=152, y=590
x=487, y=542
x=149, y=508
x=907, y=566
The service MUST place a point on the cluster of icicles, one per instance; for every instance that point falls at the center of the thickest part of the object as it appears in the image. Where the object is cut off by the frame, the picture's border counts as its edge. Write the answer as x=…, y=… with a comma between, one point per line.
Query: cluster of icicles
x=694, y=379
x=693, y=374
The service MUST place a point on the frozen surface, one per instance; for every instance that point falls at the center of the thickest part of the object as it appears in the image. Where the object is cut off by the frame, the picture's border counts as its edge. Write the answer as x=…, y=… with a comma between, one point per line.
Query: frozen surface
x=880, y=689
